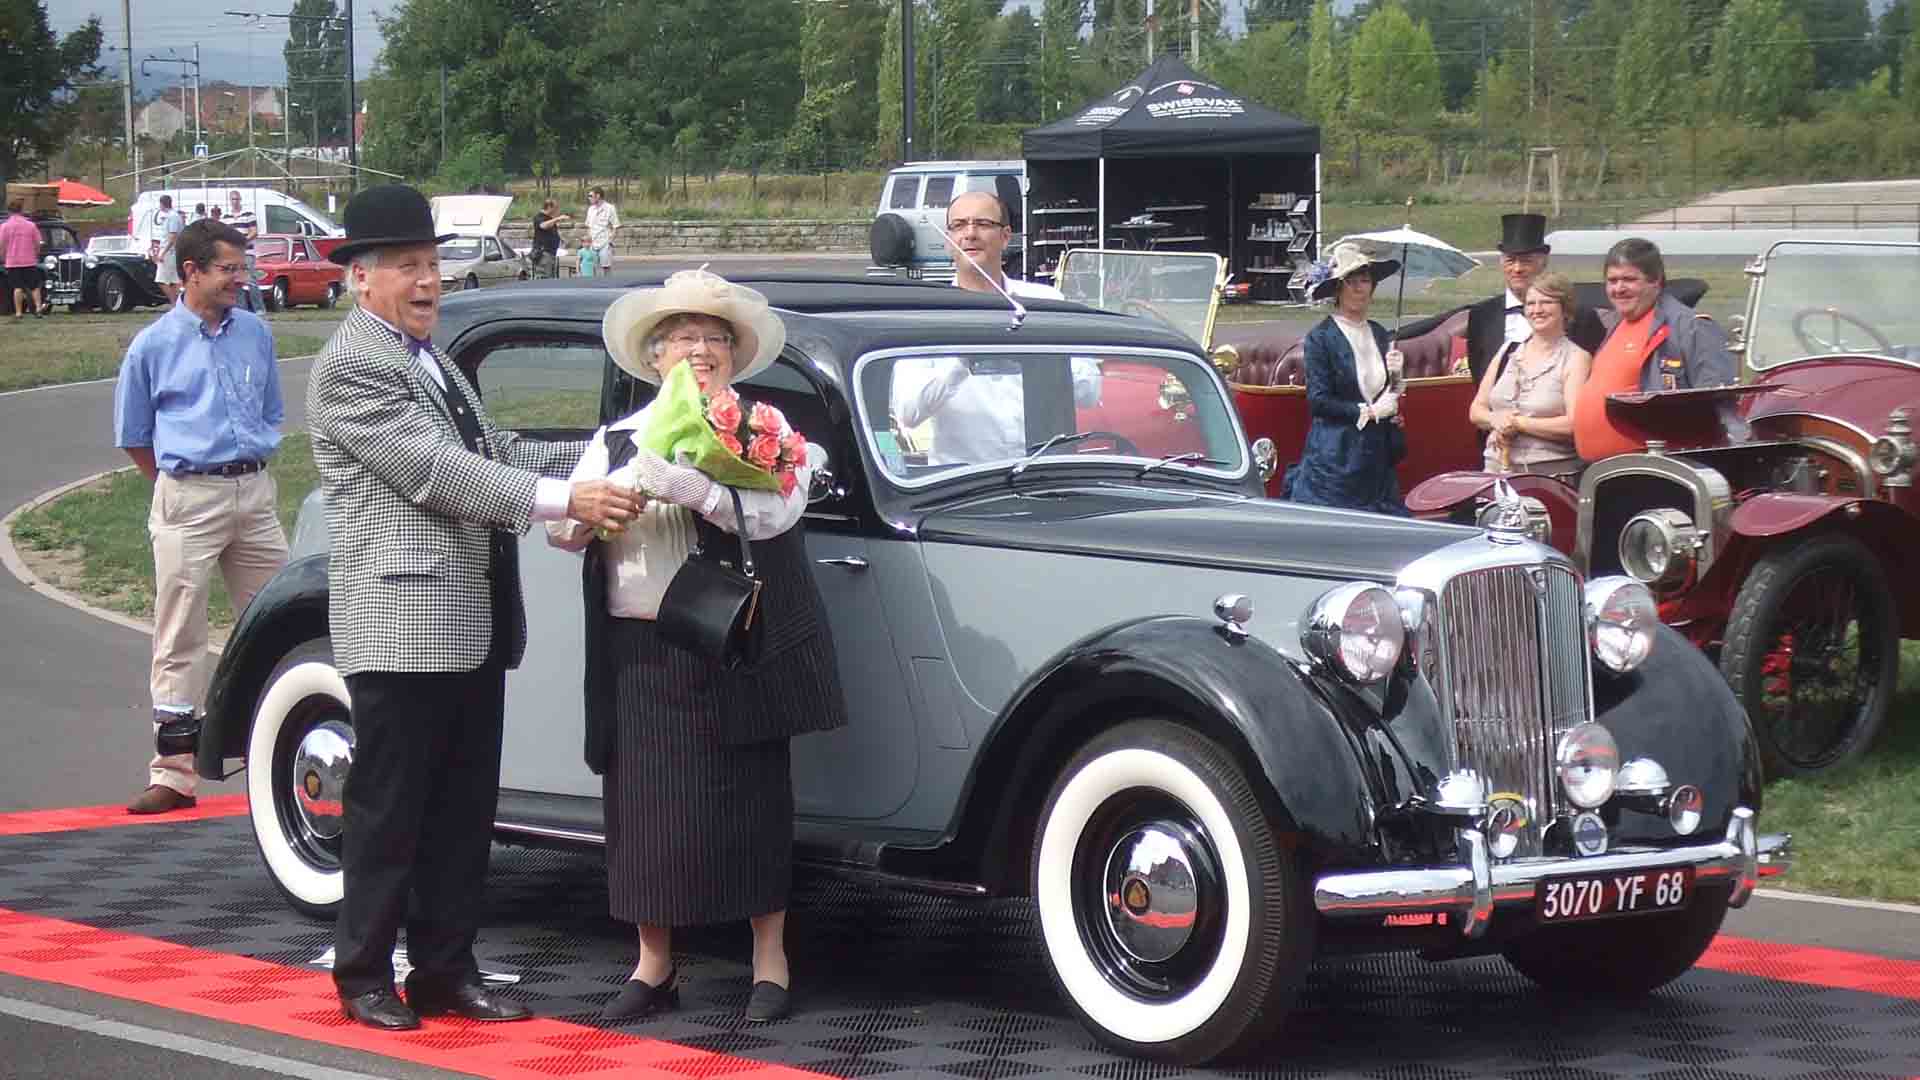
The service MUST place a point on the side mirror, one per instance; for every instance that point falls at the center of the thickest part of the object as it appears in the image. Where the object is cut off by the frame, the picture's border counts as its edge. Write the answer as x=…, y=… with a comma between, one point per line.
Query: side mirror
x=1265, y=458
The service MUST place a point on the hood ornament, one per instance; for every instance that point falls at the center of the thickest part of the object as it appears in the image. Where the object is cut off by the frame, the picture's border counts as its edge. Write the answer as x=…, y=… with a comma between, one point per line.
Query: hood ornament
x=1506, y=518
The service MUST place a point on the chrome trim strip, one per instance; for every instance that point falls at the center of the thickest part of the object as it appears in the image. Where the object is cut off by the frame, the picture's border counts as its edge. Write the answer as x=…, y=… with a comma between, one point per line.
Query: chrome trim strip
x=1473, y=849
x=1453, y=888
x=1712, y=502
x=550, y=832
x=1740, y=834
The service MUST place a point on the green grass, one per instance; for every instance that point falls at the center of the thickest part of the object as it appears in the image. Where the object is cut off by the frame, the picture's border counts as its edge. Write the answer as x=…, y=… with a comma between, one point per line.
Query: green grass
x=69, y=347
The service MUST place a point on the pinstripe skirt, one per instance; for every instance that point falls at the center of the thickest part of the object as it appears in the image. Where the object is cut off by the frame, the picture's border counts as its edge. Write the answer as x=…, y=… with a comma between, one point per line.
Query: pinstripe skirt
x=698, y=831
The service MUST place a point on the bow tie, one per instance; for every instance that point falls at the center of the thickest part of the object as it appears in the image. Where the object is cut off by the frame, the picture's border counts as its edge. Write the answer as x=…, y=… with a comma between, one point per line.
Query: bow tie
x=416, y=346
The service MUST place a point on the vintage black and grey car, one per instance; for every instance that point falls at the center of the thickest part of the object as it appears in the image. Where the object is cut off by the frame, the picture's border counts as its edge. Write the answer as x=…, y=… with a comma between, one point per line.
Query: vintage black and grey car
x=1212, y=735
x=113, y=274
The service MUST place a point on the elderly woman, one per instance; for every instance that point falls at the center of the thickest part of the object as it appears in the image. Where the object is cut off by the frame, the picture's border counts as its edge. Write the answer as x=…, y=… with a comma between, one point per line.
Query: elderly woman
x=698, y=794
x=1355, y=438
x=1526, y=395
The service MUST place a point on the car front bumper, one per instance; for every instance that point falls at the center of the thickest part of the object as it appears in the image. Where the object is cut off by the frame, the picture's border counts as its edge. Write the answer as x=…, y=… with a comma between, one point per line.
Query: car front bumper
x=1471, y=890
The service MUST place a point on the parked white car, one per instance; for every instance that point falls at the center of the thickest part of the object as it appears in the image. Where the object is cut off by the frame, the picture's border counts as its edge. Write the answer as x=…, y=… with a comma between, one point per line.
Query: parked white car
x=477, y=255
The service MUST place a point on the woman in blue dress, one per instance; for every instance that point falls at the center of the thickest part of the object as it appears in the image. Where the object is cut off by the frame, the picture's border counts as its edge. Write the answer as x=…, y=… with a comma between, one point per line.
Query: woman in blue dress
x=1355, y=439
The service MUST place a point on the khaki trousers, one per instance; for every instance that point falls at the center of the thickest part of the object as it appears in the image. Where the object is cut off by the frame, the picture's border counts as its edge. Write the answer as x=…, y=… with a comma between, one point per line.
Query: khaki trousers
x=195, y=522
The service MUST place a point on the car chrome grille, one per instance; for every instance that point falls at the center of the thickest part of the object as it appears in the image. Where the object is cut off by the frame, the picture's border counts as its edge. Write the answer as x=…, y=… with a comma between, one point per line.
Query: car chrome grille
x=1513, y=679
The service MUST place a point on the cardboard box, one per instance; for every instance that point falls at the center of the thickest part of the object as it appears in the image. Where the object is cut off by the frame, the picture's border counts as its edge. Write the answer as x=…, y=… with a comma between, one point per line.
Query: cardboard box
x=36, y=198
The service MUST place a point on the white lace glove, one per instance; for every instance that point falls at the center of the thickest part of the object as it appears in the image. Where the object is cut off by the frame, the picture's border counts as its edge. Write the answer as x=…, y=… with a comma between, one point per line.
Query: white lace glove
x=1396, y=365
x=1365, y=417
x=678, y=484
x=1386, y=406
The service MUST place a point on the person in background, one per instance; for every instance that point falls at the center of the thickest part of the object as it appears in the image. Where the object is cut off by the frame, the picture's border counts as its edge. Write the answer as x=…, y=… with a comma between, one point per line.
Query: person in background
x=546, y=239
x=1526, y=396
x=1658, y=343
x=20, y=244
x=199, y=212
x=603, y=222
x=198, y=409
x=1354, y=439
x=167, y=223
x=239, y=217
x=1494, y=323
x=978, y=228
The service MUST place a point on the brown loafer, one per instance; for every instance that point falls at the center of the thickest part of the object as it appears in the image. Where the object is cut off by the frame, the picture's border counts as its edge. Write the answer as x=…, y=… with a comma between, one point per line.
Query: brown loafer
x=159, y=799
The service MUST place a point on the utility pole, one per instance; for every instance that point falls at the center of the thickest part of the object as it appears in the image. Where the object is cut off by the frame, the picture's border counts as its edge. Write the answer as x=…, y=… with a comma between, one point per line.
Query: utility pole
x=906, y=77
x=126, y=91
x=1193, y=53
x=443, y=115
x=1149, y=31
x=353, y=111
x=197, y=135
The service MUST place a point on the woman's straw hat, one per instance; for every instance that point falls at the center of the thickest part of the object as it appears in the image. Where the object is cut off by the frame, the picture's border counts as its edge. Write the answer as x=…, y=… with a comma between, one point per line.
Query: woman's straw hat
x=758, y=333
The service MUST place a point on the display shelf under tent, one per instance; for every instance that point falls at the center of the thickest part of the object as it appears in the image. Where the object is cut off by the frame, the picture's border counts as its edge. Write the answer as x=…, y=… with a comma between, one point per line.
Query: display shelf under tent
x=1172, y=160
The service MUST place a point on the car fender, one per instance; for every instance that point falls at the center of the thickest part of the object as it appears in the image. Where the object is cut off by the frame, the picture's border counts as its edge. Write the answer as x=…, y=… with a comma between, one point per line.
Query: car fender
x=1677, y=709
x=1238, y=690
x=1777, y=513
x=290, y=609
x=1439, y=496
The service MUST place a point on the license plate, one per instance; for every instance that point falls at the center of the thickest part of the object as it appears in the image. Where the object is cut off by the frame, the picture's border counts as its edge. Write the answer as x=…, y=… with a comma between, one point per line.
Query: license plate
x=1603, y=896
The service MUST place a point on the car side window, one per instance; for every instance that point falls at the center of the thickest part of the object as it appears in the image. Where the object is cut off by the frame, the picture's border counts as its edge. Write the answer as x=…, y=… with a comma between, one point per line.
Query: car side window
x=282, y=220
x=902, y=194
x=784, y=387
x=939, y=192
x=540, y=384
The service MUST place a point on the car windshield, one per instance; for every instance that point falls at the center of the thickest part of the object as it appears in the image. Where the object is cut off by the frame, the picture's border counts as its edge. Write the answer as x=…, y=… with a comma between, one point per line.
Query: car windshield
x=462, y=248
x=1827, y=299
x=986, y=409
x=1175, y=289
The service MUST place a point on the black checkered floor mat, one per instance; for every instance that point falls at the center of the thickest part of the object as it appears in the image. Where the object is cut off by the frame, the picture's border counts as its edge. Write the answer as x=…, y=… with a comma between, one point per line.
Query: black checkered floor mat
x=895, y=982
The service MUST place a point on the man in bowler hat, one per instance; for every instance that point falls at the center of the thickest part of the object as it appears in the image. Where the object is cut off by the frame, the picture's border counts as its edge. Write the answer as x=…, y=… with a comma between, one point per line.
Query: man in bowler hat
x=1493, y=322
x=425, y=501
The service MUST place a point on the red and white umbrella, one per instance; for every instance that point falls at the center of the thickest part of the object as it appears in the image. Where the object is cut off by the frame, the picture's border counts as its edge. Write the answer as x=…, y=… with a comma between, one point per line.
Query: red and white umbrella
x=75, y=193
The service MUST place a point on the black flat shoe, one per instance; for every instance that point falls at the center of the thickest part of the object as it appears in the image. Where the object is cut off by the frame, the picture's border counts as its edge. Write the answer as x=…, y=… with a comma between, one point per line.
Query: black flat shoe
x=380, y=1009
x=638, y=1000
x=770, y=1001
x=471, y=1001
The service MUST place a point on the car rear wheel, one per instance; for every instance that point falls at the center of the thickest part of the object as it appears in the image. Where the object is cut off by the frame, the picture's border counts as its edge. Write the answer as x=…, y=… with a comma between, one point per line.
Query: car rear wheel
x=1175, y=925
x=1621, y=957
x=298, y=756
x=279, y=298
x=332, y=297
x=116, y=291
x=1812, y=650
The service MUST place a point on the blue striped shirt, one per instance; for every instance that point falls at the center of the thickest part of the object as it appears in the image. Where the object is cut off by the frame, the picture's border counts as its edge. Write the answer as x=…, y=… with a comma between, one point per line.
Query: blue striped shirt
x=200, y=398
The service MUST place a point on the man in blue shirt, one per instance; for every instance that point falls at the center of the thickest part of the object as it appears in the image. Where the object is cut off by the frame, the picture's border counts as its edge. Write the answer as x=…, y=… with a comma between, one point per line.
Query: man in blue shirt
x=198, y=409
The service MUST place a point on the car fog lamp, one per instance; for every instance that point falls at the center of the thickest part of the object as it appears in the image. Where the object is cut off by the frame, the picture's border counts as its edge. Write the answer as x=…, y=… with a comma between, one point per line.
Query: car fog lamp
x=1587, y=761
x=1506, y=819
x=49, y=264
x=1642, y=776
x=1657, y=548
x=1621, y=617
x=1355, y=629
x=91, y=261
x=1684, y=809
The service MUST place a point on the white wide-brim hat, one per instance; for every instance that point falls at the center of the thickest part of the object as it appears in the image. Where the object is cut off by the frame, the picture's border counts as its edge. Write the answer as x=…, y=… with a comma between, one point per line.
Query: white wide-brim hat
x=1348, y=260
x=758, y=333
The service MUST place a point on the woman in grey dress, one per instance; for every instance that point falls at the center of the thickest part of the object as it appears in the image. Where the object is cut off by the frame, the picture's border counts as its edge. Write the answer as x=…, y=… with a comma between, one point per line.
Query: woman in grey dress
x=697, y=788
x=1525, y=400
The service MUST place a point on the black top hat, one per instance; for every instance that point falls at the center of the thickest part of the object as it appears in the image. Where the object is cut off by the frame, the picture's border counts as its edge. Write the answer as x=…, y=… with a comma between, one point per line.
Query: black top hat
x=1519, y=233
x=391, y=215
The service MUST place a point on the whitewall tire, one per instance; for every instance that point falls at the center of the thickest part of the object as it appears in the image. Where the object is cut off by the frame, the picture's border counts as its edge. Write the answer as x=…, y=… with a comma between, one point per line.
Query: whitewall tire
x=298, y=755
x=1175, y=925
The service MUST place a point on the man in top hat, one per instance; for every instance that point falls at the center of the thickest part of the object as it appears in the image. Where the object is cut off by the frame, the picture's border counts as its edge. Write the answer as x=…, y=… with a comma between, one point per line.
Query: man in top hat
x=425, y=502
x=1497, y=320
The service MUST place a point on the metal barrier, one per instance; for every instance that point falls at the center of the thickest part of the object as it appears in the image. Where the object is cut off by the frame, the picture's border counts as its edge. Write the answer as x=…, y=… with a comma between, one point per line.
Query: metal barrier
x=1730, y=216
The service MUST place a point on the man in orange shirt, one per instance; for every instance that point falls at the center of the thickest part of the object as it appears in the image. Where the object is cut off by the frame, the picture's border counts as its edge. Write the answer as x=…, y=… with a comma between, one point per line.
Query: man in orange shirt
x=1658, y=343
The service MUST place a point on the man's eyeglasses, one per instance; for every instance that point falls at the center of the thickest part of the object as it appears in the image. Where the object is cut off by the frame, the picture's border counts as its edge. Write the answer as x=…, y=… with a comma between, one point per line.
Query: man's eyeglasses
x=965, y=223
x=689, y=340
x=229, y=269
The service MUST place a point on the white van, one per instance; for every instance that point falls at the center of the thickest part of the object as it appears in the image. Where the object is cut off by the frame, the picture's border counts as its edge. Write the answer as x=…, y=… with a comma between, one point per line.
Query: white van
x=910, y=224
x=273, y=211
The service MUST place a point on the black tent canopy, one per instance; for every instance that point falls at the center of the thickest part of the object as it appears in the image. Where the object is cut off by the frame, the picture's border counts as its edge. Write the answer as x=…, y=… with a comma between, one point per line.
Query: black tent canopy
x=1246, y=184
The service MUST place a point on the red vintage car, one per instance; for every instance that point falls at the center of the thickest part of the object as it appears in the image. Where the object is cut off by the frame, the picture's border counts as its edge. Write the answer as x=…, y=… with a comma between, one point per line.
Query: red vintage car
x=1768, y=517
x=292, y=270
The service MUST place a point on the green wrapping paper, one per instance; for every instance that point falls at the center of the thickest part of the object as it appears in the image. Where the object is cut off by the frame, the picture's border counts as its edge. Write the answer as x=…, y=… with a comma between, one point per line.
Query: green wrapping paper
x=678, y=430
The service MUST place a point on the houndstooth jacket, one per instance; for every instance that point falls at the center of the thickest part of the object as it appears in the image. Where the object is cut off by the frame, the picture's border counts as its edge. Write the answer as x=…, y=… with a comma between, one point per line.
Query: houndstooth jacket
x=409, y=508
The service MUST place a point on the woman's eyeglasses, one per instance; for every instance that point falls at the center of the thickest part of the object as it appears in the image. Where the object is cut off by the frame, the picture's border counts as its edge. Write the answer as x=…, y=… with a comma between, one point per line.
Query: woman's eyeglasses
x=688, y=340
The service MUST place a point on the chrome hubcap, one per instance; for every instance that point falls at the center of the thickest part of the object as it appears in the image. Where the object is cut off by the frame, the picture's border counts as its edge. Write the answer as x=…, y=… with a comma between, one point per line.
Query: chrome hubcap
x=319, y=779
x=1153, y=894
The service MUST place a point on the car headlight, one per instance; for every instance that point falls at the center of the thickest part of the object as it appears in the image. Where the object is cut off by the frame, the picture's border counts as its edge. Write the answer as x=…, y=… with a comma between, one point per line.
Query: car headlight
x=1356, y=630
x=92, y=261
x=1621, y=617
x=1657, y=548
x=1587, y=761
x=1892, y=454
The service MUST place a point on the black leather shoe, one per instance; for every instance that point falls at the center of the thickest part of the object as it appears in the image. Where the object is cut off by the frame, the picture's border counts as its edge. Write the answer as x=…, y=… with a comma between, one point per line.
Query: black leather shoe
x=638, y=1000
x=381, y=1009
x=471, y=1001
x=770, y=1001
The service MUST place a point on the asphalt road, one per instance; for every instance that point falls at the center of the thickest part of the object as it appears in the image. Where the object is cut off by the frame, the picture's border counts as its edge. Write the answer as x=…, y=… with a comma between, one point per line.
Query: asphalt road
x=73, y=709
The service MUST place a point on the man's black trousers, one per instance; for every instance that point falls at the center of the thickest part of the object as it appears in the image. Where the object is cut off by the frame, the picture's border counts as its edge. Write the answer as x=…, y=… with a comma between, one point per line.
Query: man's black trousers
x=420, y=801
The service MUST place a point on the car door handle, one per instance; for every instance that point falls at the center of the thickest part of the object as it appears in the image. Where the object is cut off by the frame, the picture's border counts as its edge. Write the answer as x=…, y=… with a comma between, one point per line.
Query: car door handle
x=851, y=562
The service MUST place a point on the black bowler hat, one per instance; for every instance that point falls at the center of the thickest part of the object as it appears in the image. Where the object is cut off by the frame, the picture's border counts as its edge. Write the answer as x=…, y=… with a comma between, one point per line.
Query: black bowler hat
x=1520, y=234
x=391, y=215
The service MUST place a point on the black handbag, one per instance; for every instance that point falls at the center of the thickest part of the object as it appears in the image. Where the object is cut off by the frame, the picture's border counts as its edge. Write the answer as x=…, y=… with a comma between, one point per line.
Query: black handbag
x=711, y=609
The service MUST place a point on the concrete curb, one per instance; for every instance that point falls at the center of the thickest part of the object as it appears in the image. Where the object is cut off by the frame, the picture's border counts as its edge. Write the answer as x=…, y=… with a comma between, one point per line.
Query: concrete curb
x=10, y=556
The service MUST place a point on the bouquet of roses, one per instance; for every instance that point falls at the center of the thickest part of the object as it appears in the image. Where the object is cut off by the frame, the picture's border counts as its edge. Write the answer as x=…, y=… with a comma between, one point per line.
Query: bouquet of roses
x=737, y=443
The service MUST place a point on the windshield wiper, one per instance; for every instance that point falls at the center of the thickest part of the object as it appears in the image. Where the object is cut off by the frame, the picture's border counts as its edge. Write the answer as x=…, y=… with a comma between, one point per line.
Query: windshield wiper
x=1039, y=448
x=1190, y=457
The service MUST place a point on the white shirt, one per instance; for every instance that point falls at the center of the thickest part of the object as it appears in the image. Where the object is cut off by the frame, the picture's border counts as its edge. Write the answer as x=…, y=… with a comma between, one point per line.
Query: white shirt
x=1518, y=329
x=976, y=417
x=1033, y=289
x=601, y=221
x=642, y=559
x=1368, y=365
x=167, y=225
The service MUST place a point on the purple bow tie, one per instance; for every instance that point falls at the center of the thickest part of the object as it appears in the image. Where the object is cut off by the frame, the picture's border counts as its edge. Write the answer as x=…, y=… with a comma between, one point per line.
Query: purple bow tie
x=416, y=346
